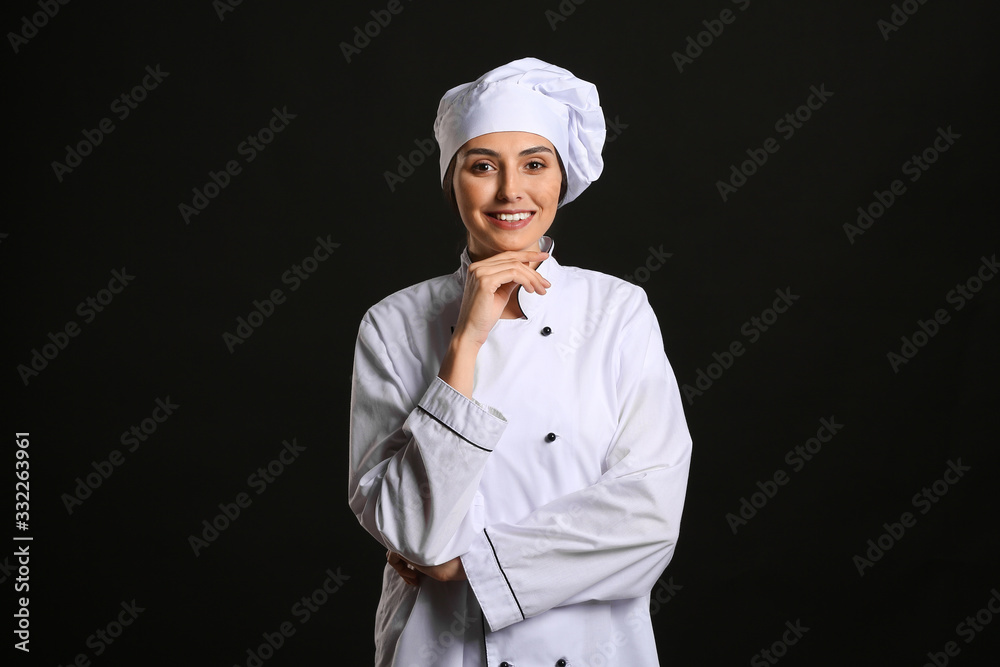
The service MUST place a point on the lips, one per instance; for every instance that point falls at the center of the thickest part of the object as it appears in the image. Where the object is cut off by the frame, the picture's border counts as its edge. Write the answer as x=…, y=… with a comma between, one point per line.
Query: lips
x=510, y=219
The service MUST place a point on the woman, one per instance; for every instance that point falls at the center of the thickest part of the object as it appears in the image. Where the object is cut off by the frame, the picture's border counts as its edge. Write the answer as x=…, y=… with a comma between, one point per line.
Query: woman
x=517, y=437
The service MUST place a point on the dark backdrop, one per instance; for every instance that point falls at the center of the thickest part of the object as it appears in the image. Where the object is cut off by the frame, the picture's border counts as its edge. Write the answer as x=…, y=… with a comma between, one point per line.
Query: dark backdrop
x=111, y=515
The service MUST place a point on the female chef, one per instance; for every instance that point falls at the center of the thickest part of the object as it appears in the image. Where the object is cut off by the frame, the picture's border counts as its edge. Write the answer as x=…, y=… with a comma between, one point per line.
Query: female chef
x=517, y=437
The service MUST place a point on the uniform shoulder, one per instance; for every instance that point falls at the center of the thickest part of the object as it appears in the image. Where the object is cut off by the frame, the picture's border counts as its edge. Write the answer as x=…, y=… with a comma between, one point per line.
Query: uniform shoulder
x=617, y=302
x=603, y=284
x=432, y=293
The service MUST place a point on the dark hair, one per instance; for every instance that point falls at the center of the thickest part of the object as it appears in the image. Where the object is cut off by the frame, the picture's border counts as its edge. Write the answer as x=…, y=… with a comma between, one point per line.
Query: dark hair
x=448, y=185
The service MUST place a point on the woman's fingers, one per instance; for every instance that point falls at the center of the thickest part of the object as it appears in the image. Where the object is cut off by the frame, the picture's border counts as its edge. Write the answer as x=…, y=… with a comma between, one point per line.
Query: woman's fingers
x=492, y=274
x=452, y=570
x=527, y=256
x=408, y=576
x=519, y=259
x=491, y=278
x=489, y=286
x=403, y=568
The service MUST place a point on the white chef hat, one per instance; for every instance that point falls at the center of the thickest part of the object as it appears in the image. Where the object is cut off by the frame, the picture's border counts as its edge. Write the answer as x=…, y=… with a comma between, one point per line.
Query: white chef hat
x=528, y=95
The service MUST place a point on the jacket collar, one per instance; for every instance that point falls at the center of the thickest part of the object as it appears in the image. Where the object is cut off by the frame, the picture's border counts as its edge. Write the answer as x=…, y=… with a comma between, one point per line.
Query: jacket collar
x=529, y=302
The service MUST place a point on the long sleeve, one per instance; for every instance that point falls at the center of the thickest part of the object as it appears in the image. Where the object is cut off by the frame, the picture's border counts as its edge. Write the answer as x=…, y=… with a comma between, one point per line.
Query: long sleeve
x=610, y=540
x=415, y=466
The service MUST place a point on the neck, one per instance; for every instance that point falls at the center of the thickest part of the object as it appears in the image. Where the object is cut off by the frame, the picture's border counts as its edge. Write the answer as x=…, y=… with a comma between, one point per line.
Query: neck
x=512, y=311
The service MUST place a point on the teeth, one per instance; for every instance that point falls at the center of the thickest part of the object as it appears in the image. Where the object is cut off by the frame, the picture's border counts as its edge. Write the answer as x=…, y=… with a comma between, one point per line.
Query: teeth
x=513, y=216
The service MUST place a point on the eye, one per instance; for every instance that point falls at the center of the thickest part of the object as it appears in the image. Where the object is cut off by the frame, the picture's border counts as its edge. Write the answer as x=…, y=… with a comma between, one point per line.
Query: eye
x=482, y=167
x=535, y=165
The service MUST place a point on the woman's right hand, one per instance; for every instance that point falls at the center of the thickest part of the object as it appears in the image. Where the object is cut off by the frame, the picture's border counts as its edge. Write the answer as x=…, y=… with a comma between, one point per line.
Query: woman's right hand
x=488, y=288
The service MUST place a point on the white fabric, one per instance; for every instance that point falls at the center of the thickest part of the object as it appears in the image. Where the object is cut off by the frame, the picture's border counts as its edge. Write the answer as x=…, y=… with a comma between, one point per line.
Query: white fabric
x=528, y=95
x=562, y=541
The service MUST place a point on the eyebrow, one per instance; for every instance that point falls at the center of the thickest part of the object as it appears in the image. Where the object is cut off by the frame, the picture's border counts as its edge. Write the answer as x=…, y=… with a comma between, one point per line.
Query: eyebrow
x=493, y=153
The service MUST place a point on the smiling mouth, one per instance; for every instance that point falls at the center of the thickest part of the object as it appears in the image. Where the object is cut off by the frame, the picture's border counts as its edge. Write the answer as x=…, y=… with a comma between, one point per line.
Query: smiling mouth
x=511, y=216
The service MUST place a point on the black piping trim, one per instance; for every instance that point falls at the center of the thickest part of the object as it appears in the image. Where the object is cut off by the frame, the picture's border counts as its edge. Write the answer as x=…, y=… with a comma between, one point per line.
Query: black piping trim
x=504, y=573
x=486, y=651
x=429, y=414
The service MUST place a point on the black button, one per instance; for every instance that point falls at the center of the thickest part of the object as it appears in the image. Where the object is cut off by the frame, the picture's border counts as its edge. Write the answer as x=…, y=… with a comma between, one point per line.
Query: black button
x=561, y=662
x=546, y=331
x=551, y=437
x=506, y=664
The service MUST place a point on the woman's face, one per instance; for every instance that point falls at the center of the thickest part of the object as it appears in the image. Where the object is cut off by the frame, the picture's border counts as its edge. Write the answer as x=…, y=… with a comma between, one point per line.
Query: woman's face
x=507, y=189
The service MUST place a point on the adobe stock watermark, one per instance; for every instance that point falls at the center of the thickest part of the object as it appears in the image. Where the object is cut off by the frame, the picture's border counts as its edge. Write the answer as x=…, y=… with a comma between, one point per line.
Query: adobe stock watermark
x=407, y=165
x=786, y=126
x=302, y=611
x=968, y=629
x=223, y=7
x=294, y=276
x=957, y=297
x=248, y=149
x=565, y=522
x=606, y=651
x=796, y=458
x=578, y=334
x=567, y=346
x=105, y=636
x=562, y=12
x=614, y=128
x=696, y=44
x=923, y=501
x=655, y=260
x=752, y=330
x=133, y=438
x=661, y=595
x=259, y=481
x=779, y=648
x=87, y=309
x=450, y=294
x=914, y=168
x=363, y=36
x=7, y=569
x=431, y=652
x=22, y=616
x=900, y=14
x=122, y=107
x=31, y=24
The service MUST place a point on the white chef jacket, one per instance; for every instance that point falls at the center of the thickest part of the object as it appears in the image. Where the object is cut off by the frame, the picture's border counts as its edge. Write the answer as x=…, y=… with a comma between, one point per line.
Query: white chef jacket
x=560, y=484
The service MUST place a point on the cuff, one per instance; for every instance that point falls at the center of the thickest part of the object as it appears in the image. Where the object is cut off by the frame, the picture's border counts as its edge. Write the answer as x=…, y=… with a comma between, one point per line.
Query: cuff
x=479, y=425
x=489, y=584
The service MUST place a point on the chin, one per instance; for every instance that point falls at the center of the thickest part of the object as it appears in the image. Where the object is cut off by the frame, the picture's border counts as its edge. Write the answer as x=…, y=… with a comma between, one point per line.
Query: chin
x=515, y=241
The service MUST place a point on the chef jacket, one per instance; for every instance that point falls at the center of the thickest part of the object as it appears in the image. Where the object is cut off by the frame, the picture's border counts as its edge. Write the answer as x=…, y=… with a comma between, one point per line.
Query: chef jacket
x=560, y=484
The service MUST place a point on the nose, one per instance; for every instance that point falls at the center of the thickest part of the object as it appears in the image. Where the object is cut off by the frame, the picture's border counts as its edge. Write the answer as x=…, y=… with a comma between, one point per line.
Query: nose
x=509, y=185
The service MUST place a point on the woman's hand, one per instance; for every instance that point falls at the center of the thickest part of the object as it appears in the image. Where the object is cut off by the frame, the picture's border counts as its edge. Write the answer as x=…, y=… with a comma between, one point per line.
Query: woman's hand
x=453, y=570
x=450, y=571
x=403, y=568
x=488, y=287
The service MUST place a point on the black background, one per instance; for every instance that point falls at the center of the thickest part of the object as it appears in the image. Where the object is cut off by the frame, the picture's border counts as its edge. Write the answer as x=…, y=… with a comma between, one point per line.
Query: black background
x=677, y=134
